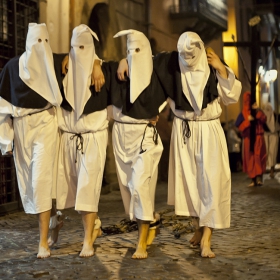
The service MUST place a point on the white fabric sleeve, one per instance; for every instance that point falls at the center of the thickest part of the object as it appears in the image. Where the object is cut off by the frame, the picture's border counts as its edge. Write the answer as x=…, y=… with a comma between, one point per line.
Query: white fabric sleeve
x=96, y=57
x=6, y=133
x=229, y=89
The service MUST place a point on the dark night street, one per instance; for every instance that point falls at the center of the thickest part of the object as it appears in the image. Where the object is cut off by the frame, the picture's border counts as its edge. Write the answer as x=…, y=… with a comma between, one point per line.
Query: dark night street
x=250, y=249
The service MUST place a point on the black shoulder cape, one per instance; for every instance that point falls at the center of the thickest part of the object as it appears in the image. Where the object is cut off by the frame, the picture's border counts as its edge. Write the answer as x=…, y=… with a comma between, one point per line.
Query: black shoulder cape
x=15, y=91
x=167, y=68
x=145, y=106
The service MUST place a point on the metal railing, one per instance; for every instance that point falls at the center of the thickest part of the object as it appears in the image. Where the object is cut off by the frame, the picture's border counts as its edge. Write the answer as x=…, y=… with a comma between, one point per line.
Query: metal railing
x=187, y=6
x=14, y=18
x=204, y=8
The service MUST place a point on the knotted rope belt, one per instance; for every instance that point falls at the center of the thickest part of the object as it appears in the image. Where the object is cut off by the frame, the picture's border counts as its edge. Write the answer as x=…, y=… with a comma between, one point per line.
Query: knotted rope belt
x=186, y=132
x=79, y=141
x=155, y=134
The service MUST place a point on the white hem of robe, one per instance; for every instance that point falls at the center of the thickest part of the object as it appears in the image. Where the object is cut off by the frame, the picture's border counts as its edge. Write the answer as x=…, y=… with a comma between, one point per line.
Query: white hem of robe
x=35, y=143
x=79, y=183
x=137, y=173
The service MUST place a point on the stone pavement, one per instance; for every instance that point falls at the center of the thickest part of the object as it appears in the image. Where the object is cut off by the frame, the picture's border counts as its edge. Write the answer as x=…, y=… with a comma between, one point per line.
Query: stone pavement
x=250, y=249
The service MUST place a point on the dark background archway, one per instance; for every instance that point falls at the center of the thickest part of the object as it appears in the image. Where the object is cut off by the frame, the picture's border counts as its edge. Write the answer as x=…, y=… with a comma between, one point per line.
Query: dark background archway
x=103, y=21
x=99, y=22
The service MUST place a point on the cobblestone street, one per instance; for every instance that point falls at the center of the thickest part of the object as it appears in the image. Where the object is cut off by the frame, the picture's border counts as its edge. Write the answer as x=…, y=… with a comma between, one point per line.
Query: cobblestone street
x=250, y=249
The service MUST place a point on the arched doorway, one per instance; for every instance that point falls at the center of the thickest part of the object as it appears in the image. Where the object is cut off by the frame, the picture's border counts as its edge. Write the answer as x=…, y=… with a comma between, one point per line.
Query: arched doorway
x=104, y=23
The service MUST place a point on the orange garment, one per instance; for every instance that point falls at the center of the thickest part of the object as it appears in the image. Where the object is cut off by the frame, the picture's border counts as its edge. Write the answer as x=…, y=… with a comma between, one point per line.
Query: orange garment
x=254, y=162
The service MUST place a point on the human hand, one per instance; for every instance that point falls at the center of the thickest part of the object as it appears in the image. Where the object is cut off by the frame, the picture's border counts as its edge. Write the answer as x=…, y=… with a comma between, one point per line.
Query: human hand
x=250, y=118
x=122, y=71
x=97, y=76
x=215, y=62
x=64, y=65
x=255, y=106
x=154, y=120
x=9, y=153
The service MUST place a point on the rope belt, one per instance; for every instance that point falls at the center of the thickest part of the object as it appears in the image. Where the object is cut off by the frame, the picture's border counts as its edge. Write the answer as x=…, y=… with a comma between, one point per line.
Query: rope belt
x=186, y=127
x=155, y=134
x=130, y=122
x=155, y=137
x=39, y=111
x=79, y=141
x=33, y=113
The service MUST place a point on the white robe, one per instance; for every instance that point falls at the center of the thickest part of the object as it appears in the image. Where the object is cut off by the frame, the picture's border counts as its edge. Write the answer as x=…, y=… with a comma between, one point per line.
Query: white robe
x=199, y=181
x=137, y=173
x=79, y=183
x=271, y=137
x=35, y=136
x=271, y=143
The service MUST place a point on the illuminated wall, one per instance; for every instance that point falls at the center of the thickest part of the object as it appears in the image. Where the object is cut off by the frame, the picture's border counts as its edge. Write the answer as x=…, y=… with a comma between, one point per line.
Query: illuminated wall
x=231, y=58
x=56, y=16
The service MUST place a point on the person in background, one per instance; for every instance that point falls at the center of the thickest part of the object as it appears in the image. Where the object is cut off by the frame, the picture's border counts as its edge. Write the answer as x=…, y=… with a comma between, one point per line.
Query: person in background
x=254, y=150
x=234, y=143
x=271, y=136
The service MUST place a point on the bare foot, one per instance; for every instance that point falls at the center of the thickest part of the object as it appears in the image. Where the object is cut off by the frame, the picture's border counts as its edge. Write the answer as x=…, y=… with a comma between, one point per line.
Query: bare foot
x=56, y=223
x=140, y=253
x=87, y=251
x=259, y=183
x=153, y=229
x=153, y=232
x=96, y=233
x=252, y=184
x=43, y=252
x=196, y=237
x=54, y=234
x=141, y=248
x=206, y=251
x=205, y=244
x=96, y=230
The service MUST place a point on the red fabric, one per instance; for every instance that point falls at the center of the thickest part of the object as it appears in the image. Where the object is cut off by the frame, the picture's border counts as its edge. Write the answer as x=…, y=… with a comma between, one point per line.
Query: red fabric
x=246, y=110
x=254, y=163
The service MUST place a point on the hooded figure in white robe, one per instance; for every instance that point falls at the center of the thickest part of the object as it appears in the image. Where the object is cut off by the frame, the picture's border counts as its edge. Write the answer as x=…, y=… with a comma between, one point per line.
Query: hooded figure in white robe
x=83, y=122
x=199, y=182
x=28, y=92
x=84, y=135
x=34, y=92
x=137, y=146
x=137, y=171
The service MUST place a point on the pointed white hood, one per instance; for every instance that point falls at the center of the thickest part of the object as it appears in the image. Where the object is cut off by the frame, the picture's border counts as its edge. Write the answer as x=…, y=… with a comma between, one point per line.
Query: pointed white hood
x=81, y=58
x=36, y=67
x=194, y=68
x=140, y=61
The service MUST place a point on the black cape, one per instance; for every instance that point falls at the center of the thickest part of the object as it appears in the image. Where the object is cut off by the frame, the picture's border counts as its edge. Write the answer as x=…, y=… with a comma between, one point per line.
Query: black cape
x=166, y=66
x=15, y=91
x=145, y=106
